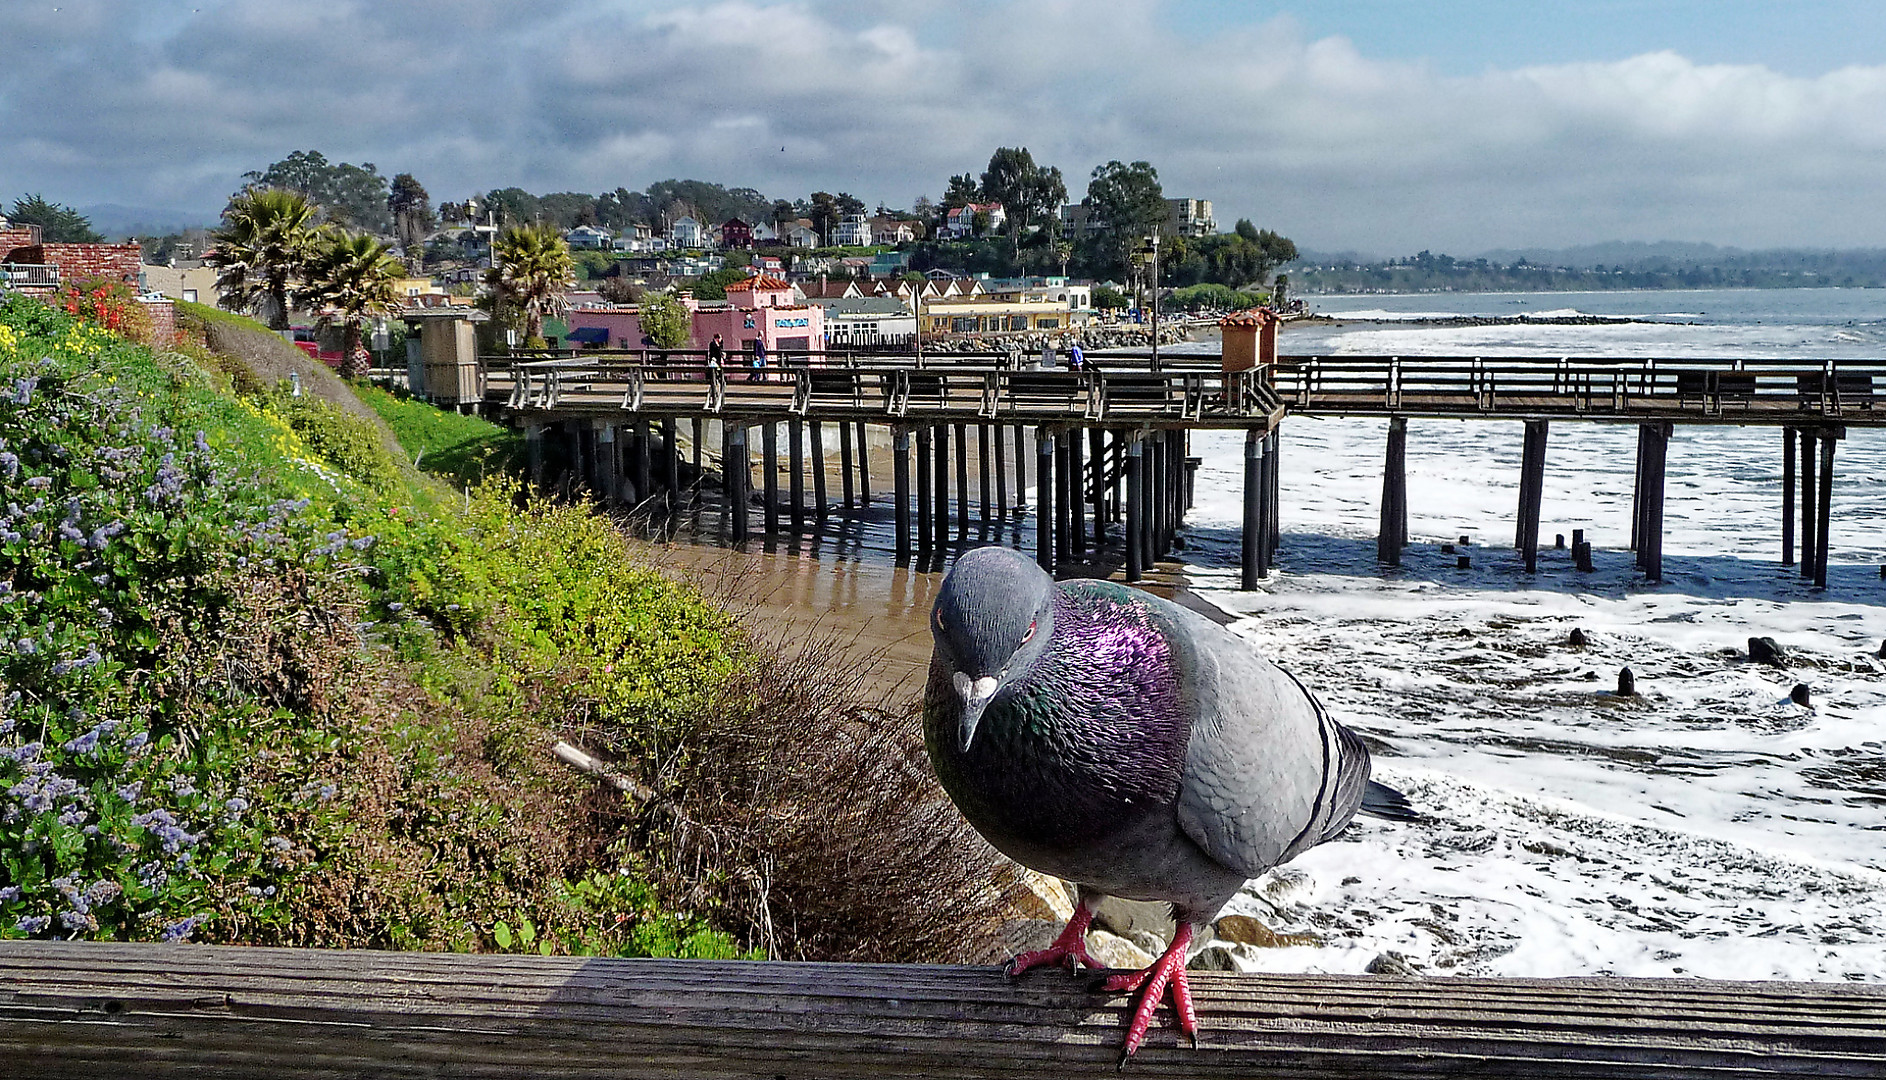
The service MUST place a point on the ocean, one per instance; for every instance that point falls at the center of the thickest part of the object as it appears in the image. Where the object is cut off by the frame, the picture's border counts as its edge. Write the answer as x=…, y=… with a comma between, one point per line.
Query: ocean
x=1707, y=827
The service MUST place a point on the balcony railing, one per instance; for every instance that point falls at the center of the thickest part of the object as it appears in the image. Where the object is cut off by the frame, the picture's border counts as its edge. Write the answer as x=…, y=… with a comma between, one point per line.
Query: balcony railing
x=29, y=276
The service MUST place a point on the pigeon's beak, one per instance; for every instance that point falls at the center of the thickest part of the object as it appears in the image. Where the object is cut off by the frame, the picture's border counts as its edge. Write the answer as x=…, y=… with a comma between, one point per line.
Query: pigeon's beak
x=976, y=695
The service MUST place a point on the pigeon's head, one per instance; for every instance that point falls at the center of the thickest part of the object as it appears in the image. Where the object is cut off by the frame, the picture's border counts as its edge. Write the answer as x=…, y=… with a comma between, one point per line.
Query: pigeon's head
x=992, y=618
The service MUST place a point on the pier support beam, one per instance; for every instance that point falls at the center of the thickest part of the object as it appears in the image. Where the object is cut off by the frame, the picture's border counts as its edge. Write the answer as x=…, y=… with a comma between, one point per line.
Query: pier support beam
x=925, y=537
x=940, y=486
x=644, y=466
x=962, y=480
x=1044, y=499
x=1825, y=507
x=864, y=467
x=1252, y=534
x=1810, y=491
x=1096, y=486
x=769, y=480
x=670, y=462
x=816, y=433
x=737, y=493
x=1001, y=472
x=1532, y=491
x=1273, y=468
x=1077, y=493
x=1391, y=534
x=1021, y=468
x=844, y=463
x=1788, y=437
x=1063, y=501
x=983, y=469
x=795, y=440
x=1153, y=469
x=1653, y=451
x=1135, y=510
x=700, y=444
x=900, y=480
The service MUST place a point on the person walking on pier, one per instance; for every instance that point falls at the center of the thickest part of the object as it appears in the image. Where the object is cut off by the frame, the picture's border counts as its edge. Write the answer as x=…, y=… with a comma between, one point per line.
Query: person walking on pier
x=716, y=355
x=759, y=361
x=1075, y=357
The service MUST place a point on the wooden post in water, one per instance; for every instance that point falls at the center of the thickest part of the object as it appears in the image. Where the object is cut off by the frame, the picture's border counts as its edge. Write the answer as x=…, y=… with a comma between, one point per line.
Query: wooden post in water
x=1637, y=500
x=1656, y=459
x=1810, y=492
x=700, y=441
x=900, y=480
x=817, y=435
x=1063, y=516
x=844, y=462
x=795, y=441
x=940, y=486
x=1389, y=540
x=671, y=462
x=924, y=531
x=769, y=478
x=1021, y=468
x=1826, y=506
x=1135, y=510
x=1153, y=521
x=737, y=498
x=1532, y=491
x=1044, y=498
x=983, y=469
x=1001, y=472
x=1787, y=496
x=1274, y=464
x=864, y=467
x=962, y=479
x=644, y=466
x=1252, y=534
x=1077, y=493
x=1096, y=486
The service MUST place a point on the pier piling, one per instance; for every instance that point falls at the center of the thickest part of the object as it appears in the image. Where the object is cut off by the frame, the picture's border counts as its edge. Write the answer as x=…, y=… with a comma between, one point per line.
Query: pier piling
x=769, y=479
x=737, y=497
x=864, y=467
x=962, y=480
x=1810, y=491
x=819, y=508
x=795, y=440
x=900, y=480
x=1135, y=510
x=1532, y=491
x=940, y=487
x=844, y=464
x=924, y=531
x=1252, y=535
x=1788, y=436
x=1389, y=534
x=983, y=469
x=1044, y=498
x=1824, y=511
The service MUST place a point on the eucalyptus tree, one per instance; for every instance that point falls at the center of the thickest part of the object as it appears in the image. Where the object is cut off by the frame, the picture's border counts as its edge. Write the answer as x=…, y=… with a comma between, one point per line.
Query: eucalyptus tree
x=411, y=207
x=349, y=278
x=531, y=266
x=1130, y=203
x=1029, y=193
x=266, y=238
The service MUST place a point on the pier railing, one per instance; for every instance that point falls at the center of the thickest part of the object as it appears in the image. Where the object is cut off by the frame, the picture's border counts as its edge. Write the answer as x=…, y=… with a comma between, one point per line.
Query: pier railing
x=889, y=391
x=85, y=1010
x=1706, y=390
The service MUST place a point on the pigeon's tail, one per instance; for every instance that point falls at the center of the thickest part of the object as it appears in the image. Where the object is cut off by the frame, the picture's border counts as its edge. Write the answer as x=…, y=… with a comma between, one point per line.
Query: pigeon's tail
x=1385, y=802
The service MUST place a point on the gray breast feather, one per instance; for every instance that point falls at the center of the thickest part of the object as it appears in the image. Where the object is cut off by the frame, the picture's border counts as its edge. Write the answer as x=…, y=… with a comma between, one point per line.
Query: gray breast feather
x=1267, y=774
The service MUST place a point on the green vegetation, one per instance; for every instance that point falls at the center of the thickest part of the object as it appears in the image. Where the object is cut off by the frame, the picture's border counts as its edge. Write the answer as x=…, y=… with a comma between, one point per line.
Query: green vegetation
x=266, y=239
x=531, y=266
x=349, y=279
x=1213, y=297
x=58, y=223
x=665, y=320
x=464, y=450
x=260, y=683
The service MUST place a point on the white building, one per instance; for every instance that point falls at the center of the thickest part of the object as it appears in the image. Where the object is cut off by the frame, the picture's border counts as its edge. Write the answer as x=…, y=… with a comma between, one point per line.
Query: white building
x=852, y=231
x=687, y=233
x=589, y=238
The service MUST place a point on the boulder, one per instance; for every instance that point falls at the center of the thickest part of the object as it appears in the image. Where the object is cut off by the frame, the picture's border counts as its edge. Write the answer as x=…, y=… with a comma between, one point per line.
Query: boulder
x=1391, y=963
x=1576, y=639
x=1764, y=650
x=1212, y=958
x=1116, y=952
x=1245, y=930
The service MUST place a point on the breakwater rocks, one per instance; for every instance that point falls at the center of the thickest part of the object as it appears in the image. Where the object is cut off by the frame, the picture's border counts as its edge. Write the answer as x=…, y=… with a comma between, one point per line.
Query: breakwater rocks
x=1091, y=338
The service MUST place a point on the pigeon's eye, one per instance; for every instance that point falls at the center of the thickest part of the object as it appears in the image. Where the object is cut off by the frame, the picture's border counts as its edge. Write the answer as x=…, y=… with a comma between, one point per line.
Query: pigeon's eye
x=1029, y=636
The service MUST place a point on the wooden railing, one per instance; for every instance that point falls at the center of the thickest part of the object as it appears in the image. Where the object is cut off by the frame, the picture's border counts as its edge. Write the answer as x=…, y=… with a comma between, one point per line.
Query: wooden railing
x=1728, y=390
x=870, y=388
x=87, y=1010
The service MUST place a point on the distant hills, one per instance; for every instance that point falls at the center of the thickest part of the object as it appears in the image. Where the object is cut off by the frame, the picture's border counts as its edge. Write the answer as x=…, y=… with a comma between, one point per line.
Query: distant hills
x=118, y=221
x=1614, y=265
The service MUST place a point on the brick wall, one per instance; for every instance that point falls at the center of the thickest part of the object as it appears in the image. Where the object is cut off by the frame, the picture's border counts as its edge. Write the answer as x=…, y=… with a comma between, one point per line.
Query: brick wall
x=17, y=236
x=83, y=262
x=163, y=315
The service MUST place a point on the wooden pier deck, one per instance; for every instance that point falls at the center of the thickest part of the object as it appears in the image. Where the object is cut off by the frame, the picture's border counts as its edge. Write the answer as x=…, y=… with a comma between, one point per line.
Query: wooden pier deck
x=1110, y=440
x=81, y=1010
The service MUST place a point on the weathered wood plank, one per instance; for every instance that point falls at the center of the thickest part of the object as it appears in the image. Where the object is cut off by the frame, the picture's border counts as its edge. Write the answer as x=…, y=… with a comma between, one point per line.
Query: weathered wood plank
x=88, y=1010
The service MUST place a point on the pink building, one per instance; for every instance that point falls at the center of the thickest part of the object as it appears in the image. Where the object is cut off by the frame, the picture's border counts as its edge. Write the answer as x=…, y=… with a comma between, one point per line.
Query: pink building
x=760, y=308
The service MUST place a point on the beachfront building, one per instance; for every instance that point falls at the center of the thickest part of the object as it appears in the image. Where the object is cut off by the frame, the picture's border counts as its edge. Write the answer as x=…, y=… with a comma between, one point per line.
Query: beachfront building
x=762, y=308
x=1048, y=290
x=859, y=321
x=983, y=315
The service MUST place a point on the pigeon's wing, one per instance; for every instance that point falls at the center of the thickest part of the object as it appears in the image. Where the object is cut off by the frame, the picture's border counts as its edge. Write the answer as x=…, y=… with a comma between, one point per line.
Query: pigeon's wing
x=1267, y=772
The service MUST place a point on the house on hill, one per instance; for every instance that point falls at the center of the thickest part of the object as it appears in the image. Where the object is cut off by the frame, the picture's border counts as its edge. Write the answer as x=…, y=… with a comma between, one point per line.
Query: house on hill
x=736, y=235
x=687, y=232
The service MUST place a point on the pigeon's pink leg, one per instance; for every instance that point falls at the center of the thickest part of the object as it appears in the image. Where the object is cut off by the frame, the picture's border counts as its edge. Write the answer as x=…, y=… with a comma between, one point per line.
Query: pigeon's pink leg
x=1070, y=948
x=1168, y=970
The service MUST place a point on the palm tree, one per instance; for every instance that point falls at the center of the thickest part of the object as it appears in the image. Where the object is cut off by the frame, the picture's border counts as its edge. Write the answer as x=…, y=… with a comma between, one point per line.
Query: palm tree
x=266, y=236
x=349, y=279
x=531, y=266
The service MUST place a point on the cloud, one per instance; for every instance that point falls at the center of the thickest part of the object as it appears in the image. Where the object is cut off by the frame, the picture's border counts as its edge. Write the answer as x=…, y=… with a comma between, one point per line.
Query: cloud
x=167, y=104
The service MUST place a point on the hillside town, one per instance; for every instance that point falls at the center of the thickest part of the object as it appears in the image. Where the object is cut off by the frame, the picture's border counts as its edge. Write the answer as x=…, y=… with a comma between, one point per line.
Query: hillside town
x=998, y=263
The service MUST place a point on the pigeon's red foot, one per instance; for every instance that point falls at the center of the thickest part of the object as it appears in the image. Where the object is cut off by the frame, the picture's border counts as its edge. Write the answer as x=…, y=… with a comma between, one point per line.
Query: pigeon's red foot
x=1167, y=971
x=1069, y=949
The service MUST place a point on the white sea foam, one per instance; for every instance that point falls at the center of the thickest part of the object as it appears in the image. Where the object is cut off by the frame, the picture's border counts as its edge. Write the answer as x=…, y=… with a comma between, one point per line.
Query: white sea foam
x=1708, y=827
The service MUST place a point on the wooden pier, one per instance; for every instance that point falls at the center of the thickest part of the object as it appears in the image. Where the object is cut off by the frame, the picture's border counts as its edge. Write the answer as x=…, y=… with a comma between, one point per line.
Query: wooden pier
x=1112, y=443
x=81, y=1010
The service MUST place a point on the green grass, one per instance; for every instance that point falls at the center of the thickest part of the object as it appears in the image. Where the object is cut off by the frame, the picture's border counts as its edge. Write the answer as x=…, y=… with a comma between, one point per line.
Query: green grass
x=461, y=449
x=189, y=311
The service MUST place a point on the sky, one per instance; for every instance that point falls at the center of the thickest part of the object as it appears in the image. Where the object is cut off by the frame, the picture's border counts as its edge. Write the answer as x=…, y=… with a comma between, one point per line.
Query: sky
x=1377, y=126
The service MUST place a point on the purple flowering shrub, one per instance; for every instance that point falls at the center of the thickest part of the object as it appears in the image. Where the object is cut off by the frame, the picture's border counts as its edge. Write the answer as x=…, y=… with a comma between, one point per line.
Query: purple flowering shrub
x=134, y=516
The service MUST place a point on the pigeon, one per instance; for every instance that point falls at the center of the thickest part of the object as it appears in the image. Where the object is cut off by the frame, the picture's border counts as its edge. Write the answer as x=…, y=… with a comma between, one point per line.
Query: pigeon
x=1116, y=740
